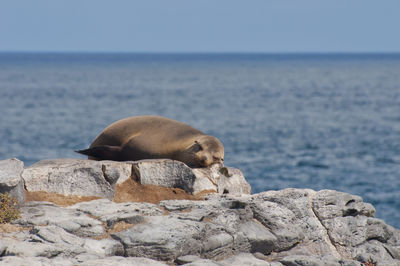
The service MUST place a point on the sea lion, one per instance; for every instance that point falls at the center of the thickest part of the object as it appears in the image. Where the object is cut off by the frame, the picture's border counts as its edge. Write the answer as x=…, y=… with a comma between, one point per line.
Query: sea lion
x=154, y=137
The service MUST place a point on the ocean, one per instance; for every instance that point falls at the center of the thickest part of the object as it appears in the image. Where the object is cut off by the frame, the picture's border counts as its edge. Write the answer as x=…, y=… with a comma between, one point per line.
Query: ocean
x=319, y=121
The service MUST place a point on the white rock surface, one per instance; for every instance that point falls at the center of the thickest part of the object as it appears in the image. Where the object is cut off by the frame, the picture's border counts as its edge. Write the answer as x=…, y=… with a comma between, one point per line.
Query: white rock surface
x=99, y=178
x=226, y=180
x=10, y=179
x=166, y=173
x=175, y=174
x=288, y=227
x=74, y=177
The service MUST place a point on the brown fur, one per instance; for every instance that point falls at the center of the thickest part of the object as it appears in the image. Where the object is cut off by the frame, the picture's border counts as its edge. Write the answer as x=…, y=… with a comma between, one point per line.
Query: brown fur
x=154, y=137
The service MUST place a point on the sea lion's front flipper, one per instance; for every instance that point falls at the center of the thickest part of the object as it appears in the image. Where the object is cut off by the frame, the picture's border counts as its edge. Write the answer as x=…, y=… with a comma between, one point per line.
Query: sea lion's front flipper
x=103, y=152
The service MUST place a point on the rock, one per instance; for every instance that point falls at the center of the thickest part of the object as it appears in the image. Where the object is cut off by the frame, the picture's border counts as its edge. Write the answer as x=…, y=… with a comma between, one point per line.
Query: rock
x=29, y=249
x=290, y=217
x=81, y=258
x=169, y=173
x=287, y=227
x=162, y=238
x=121, y=261
x=281, y=221
x=10, y=179
x=98, y=178
x=329, y=204
x=260, y=238
x=111, y=212
x=75, y=177
x=104, y=247
x=166, y=173
x=243, y=259
x=34, y=261
x=226, y=180
x=301, y=260
x=74, y=222
x=70, y=244
x=186, y=259
x=353, y=230
x=203, y=262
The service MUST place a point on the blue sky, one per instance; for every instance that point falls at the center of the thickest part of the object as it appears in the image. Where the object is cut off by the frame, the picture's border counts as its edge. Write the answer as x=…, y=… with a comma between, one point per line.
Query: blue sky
x=271, y=26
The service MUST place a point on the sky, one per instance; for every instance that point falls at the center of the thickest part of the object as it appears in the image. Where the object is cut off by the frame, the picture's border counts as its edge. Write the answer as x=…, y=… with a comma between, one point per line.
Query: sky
x=165, y=26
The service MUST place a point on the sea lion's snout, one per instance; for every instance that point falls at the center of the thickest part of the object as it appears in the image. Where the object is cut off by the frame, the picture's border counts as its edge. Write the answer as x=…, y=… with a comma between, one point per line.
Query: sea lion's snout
x=219, y=160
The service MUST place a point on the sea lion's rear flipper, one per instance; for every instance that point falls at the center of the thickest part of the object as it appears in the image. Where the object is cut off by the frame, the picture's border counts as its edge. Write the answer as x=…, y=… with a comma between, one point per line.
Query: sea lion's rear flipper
x=103, y=152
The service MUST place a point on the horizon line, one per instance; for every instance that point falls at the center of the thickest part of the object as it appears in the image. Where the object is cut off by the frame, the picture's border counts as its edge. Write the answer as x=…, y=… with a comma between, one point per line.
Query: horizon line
x=204, y=53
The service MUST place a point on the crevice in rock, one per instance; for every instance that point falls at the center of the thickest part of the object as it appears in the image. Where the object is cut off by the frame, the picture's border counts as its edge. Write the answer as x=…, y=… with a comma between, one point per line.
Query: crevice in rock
x=135, y=173
x=3, y=253
x=236, y=204
x=389, y=252
x=125, y=246
x=288, y=248
x=370, y=239
x=377, y=238
x=350, y=212
x=255, y=218
x=215, y=184
x=331, y=241
x=106, y=177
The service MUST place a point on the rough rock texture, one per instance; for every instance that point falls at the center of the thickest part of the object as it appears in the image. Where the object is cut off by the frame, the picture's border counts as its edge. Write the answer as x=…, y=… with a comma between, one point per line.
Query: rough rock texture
x=175, y=174
x=166, y=173
x=10, y=178
x=229, y=227
x=75, y=177
x=288, y=227
x=98, y=178
x=226, y=180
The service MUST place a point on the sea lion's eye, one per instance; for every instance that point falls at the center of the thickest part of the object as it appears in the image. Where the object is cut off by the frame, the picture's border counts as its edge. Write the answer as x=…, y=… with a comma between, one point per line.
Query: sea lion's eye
x=217, y=159
x=198, y=146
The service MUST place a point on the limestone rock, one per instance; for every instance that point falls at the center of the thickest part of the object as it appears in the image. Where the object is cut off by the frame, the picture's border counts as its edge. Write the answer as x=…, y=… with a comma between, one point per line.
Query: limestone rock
x=226, y=180
x=329, y=204
x=169, y=173
x=166, y=173
x=287, y=227
x=111, y=212
x=121, y=261
x=353, y=230
x=104, y=247
x=77, y=223
x=69, y=244
x=299, y=260
x=98, y=178
x=10, y=179
x=161, y=238
x=243, y=259
x=186, y=259
x=34, y=261
x=29, y=249
x=203, y=262
x=74, y=177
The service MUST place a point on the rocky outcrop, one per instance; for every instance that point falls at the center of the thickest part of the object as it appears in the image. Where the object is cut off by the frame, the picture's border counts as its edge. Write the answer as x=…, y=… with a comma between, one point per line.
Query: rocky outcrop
x=228, y=227
x=99, y=178
x=10, y=178
x=288, y=227
x=75, y=177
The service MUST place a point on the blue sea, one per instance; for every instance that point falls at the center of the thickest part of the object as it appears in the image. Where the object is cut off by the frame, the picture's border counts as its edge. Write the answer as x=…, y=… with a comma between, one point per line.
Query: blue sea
x=319, y=121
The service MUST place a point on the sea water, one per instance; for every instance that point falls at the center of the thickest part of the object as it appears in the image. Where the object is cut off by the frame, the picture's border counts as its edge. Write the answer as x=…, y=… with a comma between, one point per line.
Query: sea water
x=327, y=121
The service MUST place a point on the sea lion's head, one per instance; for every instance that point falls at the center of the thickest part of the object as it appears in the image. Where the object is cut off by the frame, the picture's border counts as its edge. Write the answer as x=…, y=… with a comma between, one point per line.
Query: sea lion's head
x=207, y=150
